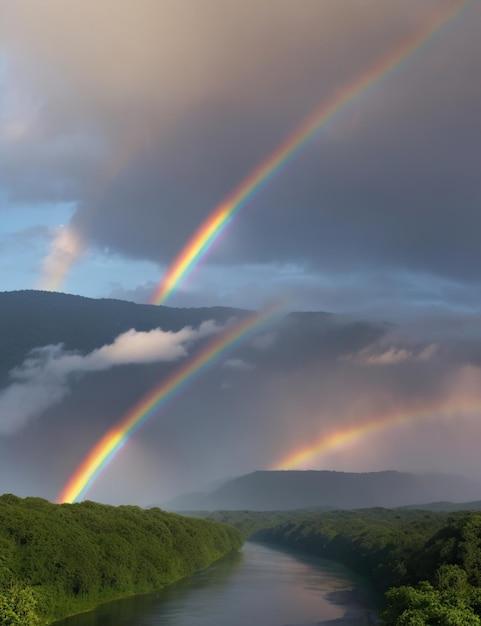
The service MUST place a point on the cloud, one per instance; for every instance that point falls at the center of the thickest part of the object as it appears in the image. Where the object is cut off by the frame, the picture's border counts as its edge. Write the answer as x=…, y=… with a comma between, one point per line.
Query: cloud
x=384, y=293
x=45, y=377
x=24, y=238
x=394, y=355
x=239, y=365
x=138, y=143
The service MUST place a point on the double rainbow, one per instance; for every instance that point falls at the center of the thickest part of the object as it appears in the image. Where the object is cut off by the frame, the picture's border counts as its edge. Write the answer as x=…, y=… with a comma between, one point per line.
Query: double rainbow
x=107, y=447
x=203, y=238
x=301, y=456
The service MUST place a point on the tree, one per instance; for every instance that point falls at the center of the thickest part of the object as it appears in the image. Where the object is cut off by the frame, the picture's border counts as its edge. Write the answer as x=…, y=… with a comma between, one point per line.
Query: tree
x=426, y=606
x=18, y=607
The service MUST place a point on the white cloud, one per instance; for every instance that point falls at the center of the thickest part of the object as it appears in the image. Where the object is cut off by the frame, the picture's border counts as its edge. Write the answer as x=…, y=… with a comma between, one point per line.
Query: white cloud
x=239, y=364
x=44, y=377
x=394, y=355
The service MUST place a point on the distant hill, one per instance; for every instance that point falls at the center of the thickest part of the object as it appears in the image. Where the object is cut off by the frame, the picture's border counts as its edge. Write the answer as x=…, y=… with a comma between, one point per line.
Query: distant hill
x=30, y=319
x=448, y=507
x=289, y=490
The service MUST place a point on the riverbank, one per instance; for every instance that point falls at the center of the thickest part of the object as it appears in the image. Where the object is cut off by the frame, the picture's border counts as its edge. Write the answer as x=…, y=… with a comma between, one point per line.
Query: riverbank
x=59, y=560
x=258, y=585
x=425, y=563
x=140, y=598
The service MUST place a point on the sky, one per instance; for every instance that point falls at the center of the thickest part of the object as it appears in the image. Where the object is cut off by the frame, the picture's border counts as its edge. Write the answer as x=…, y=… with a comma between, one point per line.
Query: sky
x=123, y=124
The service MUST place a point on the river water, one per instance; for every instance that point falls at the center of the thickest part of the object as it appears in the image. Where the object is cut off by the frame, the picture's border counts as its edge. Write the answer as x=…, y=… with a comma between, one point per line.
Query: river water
x=261, y=586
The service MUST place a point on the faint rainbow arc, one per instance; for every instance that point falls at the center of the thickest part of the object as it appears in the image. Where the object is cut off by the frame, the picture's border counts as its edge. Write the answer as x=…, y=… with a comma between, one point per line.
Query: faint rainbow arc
x=203, y=238
x=106, y=448
x=352, y=432
x=69, y=245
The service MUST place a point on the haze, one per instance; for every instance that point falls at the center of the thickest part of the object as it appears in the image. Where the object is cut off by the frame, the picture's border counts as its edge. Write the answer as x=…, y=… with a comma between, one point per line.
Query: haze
x=122, y=124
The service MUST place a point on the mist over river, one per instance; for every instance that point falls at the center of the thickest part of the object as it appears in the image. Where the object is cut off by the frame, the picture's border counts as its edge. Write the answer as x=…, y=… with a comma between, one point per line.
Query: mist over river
x=261, y=586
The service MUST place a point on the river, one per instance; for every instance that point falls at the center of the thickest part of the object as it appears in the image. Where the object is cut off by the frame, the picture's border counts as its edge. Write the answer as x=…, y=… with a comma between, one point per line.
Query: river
x=261, y=586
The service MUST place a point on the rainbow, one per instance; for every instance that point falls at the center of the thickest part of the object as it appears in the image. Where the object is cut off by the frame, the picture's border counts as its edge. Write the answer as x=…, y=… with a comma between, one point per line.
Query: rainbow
x=107, y=447
x=203, y=238
x=67, y=246
x=350, y=433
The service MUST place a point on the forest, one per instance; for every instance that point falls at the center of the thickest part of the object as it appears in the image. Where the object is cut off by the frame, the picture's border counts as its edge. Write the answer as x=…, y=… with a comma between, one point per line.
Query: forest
x=57, y=560
x=427, y=564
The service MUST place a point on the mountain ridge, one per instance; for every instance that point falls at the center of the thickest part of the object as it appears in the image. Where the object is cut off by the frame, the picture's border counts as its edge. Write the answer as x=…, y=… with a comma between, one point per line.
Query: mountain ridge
x=31, y=319
x=277, y=490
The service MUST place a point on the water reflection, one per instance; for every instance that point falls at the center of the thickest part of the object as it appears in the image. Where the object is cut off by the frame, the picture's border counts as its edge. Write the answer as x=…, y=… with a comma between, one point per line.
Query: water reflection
x=261, y=586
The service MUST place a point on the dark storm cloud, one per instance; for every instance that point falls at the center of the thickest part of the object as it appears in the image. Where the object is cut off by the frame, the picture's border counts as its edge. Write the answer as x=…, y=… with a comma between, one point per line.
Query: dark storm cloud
x=400, y=188
x=149, y=113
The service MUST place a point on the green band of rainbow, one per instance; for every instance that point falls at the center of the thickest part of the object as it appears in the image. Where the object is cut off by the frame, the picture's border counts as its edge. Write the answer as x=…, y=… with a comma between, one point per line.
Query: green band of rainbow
x=200, y=242
x=107, y=447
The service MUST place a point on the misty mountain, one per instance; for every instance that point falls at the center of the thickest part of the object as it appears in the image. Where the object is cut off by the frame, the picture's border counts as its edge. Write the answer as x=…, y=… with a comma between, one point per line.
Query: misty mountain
x=274, y=393
x=29, y=319
x=287, y=490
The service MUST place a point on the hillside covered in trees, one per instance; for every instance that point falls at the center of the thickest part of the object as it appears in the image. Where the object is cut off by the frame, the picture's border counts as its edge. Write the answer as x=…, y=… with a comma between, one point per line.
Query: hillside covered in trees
x=428, y=564
x=56, y=560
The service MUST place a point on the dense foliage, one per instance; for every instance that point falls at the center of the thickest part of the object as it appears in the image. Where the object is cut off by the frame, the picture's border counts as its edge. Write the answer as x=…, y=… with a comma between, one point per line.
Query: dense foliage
x=382, y=543
x=249, y=523
x=56, y=560
x=429, y=564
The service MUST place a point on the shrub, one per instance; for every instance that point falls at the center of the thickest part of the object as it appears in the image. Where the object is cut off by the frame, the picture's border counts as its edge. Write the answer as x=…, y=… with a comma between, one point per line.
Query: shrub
x=18, y=607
